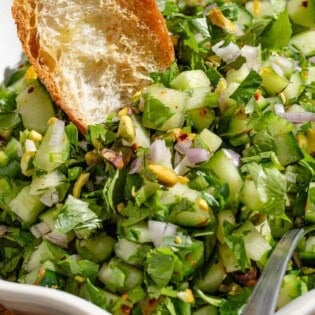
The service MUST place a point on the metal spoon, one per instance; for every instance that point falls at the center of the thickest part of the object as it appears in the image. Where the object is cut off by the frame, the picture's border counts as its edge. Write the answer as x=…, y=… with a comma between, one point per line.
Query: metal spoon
x=264, y=297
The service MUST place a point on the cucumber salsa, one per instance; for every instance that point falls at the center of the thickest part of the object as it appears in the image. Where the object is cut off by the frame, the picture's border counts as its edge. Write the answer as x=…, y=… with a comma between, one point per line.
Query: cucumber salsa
x=173, y=205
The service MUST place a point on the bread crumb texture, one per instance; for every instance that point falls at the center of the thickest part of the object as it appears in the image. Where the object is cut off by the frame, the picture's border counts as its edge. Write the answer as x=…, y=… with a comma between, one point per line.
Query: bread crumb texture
x=93, y=55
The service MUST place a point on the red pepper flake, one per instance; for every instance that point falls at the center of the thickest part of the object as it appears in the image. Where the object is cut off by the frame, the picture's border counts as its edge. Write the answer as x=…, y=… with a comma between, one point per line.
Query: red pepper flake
x=203, y=112
x=183, y=136
x=126, y=309
x=134, y=147
x=30, y=90
x=257, y=95
x=305, y=4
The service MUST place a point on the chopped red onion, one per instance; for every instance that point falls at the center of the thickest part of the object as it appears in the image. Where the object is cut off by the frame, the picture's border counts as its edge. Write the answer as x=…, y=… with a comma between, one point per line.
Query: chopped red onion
x=183, y=146
x=234, y=156
x=83, y=145
x=57, y=136
x=30, y=146
x=40, y=229
x=160, y=153
x=250, y=53
x=197, y=155
x=193, y=156
x=298, y=117
x=279, y=108
x=3, y=230
x=159, y=230
x=50, y=197
x=136, y=165
x=228, y=53
x=277, y=69
x=57, y=238
x=312, y=59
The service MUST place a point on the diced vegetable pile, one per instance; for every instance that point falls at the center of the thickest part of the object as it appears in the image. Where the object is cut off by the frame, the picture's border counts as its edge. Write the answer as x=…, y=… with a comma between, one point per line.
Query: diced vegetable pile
x=173, y=205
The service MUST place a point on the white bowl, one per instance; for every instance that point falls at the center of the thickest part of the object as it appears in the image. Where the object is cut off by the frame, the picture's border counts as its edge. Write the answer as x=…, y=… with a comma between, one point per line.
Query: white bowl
x=35, y=300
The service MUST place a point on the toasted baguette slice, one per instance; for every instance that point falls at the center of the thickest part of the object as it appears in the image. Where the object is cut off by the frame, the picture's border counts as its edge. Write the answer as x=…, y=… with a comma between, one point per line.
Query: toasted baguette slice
x=93, y=55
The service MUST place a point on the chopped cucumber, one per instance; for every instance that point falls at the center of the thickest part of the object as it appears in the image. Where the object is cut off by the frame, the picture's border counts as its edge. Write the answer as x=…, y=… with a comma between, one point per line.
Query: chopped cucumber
x=129, y=251
x=200, y=97
x=249, y=195
x=272, y=82
x=302, y=12
x=292, y=287
x=190, y=80
x=138, y=232
x=27, y=206
x=310, y=205
x=294, y=88
x=201, y=118
x=164, y=108
x=256, y=246
x=228, y=259
x=304, y=42
x=206, y=310
x=223, y=166
x=120, y=277
x=45, y=182
x=209, y=140
x=54, y=149
x=45, y=251
x=213, y=278
x=35, y=107
x=287, y=149
x=97, y=249
x=224, y=217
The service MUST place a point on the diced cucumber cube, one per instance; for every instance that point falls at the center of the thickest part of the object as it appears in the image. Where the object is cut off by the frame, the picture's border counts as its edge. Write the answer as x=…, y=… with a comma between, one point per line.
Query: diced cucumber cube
x=45, y=251
x=302, y=12
x=211, y=140
x=35, y=107
x=310, y=205
x=27, y=206
x=190, y=80
x=54, y=148
x=228, y=259
x=224, y=217
x=294, y=88
x=212, y=280
x=119, y=276
x=201, y=118
x=272, y=82
x=304, y=42
x=45, y=182
x=256, y=246
x=200, y=97
x=249, y=196
x=97, y=249
x=292, y=287
x=164, y=108
x=223, y=166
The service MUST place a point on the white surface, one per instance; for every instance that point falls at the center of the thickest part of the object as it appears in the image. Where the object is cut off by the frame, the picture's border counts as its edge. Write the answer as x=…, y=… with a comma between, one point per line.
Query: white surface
x=37, y=300
x=10, y=48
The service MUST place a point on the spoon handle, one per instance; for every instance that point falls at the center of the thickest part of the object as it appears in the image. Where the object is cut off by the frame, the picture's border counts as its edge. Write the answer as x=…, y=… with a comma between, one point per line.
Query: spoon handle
x=264, y=297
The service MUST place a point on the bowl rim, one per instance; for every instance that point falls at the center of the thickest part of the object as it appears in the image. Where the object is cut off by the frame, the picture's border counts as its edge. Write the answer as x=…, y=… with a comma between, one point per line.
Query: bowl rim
x=11, y=292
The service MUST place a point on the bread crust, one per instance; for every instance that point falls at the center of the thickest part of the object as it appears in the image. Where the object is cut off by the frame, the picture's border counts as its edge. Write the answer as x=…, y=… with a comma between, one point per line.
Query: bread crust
x=147, y=29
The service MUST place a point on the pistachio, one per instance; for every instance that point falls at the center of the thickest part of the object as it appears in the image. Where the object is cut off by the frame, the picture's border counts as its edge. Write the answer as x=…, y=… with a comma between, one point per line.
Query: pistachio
x=126, y=129
x=78, y=185
x=114, y=157
x=165, y=175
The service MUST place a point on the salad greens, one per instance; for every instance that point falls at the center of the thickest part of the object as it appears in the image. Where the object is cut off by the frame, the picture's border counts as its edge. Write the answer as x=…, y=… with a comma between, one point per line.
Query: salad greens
x=171, y=206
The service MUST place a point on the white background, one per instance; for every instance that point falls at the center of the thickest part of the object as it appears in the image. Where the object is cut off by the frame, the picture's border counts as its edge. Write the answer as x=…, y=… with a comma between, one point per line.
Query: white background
x=10, y=48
